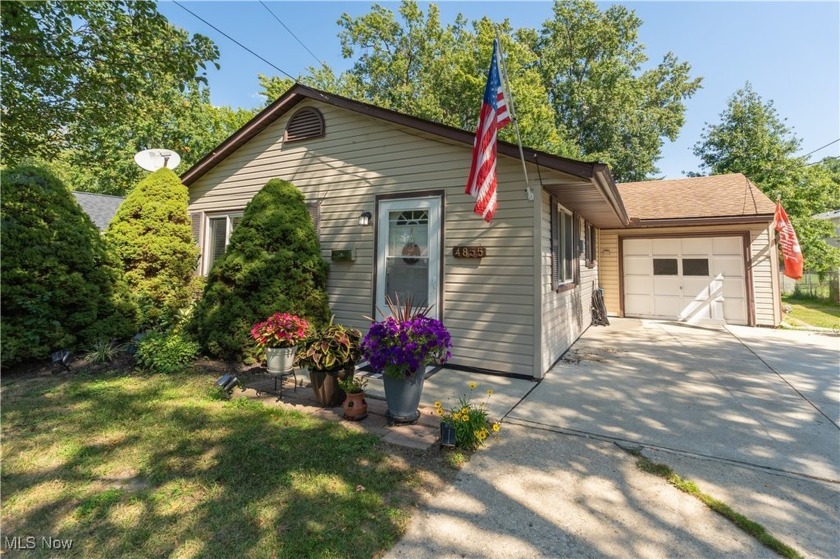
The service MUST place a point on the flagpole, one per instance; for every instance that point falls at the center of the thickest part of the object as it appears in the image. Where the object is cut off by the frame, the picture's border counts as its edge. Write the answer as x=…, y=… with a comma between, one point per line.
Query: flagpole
x=509, y=97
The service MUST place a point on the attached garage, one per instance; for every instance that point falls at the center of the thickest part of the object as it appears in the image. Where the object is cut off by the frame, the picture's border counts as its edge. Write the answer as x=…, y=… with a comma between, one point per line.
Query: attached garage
x=697, y=250
x=691, y=279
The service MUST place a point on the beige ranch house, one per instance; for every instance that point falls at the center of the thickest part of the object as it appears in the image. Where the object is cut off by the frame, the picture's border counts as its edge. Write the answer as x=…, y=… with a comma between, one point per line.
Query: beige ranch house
x=515, y=293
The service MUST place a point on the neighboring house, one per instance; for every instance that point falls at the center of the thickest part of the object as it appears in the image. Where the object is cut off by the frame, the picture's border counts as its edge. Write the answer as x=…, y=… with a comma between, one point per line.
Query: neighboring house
x=834, y=217
x=100, y=207
x=515, y=307
x=698, y=249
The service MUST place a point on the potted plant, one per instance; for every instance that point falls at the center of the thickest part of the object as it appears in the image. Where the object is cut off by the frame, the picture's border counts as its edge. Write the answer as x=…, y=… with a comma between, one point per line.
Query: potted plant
x=330, y=354
x=400, y=347
x=280, y=335
x=355, y=406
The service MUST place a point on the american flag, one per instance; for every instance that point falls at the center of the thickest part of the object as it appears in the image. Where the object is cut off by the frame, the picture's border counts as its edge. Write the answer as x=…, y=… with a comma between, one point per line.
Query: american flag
x=493, y=117
x=794, y=262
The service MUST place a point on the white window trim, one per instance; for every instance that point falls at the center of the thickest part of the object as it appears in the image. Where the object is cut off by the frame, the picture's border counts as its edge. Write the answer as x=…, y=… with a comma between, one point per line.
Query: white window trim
x=206, y=264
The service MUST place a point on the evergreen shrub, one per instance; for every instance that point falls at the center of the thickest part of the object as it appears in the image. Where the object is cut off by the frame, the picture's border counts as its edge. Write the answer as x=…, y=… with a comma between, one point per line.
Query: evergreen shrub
x=152, y=238
x=167, y=353
x=272, y=264
x=61, y=288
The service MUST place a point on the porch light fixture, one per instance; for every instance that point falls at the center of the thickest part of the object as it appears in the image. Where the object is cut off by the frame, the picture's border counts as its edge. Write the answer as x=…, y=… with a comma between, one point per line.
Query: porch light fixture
x=364, y=219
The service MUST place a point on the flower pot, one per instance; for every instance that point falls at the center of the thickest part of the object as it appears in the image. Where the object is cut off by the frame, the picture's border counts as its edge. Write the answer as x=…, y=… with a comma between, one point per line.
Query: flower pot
x=280, y=360
x=447, y=435
x=355, y=406
x=403, y=397
x=325, y=386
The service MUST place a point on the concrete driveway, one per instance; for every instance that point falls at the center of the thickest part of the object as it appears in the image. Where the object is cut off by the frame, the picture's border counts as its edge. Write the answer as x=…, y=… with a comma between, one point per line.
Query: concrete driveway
x=753, y=396
x=749, y=414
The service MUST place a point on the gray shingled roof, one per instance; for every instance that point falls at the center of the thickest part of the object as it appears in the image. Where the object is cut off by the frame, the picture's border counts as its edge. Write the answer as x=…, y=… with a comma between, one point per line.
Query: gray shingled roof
x=100, y=207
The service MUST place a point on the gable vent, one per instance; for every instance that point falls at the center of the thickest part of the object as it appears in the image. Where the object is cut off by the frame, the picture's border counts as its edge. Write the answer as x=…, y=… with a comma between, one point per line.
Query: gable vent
x=305, y=124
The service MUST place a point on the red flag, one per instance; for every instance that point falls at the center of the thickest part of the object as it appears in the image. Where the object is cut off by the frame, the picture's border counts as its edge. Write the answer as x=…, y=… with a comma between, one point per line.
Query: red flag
x=789, y=243
x=494, y=116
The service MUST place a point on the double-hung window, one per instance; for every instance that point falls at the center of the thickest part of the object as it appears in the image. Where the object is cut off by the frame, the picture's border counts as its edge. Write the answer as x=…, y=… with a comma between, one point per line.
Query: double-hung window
x=219, y=229
x=563, y=254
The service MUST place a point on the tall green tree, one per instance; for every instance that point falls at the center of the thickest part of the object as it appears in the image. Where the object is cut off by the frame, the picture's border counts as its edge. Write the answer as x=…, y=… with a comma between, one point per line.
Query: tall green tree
x=151, y=236
x=591, y=63
x=751, y=138
x=186, y=122
x=577, y=83
x=72, y=68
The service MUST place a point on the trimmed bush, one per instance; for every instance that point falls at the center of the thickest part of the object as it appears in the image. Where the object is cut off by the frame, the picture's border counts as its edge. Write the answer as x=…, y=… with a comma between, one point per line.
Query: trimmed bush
x=152, y=237
x=61, y=288
x=166, y=353
x=272, y=264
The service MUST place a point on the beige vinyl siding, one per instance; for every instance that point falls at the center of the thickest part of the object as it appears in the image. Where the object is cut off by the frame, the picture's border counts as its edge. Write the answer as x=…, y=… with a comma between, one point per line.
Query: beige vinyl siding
x=488, y=304
x=764, y=274
x=567, y=314
x=762, y=256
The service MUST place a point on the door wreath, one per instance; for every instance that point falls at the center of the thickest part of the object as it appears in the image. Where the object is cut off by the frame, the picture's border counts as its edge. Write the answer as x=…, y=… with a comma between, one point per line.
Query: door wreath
x=411, y=249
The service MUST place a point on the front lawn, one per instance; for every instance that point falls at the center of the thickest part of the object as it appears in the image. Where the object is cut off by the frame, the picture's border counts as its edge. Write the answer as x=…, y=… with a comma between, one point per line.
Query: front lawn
x=811, y=312
x=139, y=466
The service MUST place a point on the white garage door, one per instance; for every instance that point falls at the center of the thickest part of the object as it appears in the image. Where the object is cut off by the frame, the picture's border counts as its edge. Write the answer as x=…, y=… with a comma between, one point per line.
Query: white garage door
x=693, y=279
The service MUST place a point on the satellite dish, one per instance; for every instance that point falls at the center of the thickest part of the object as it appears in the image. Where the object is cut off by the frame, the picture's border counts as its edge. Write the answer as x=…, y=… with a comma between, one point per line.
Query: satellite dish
x=154, y=159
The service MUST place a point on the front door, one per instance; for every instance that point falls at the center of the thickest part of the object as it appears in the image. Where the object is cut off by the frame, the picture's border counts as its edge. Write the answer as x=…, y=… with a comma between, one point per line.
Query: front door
x=408, y=253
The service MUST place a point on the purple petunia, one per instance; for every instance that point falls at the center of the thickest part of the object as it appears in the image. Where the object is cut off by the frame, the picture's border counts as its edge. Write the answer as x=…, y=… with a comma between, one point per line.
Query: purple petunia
x=400, y=349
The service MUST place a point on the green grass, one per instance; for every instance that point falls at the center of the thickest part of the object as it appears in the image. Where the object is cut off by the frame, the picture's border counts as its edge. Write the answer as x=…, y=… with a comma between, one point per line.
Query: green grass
x=754, y=529
x=811, y=312
x=139, y=466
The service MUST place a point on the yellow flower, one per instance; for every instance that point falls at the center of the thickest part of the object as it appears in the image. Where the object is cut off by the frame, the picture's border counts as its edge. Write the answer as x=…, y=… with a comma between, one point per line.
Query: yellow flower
x=439, y=411
x=437, y=404
x=489, y=392
x=473, y=385
x=496, y=427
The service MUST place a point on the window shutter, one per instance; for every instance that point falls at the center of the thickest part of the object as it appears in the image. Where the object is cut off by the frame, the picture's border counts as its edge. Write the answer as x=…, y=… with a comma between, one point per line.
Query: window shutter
x=555, y=244
x=315, y=213
x=197, y=222
x=305, y=124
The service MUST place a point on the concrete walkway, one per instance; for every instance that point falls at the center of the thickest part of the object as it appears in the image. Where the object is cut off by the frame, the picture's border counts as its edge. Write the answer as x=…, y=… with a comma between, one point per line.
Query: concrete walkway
x=749, y=415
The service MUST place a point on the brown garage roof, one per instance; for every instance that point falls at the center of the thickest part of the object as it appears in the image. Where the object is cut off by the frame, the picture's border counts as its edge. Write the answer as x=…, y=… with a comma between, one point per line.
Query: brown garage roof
x=728, y=197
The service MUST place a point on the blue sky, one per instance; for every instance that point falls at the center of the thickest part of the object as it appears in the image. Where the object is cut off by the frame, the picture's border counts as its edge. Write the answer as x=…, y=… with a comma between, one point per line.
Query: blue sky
x=789, y=51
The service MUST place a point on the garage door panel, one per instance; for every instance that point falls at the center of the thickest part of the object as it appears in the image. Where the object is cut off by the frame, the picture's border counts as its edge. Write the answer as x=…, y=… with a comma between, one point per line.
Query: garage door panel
x=727, y=245
x=665, y=286
x=667, y=307
x=729, y=266
x=637, y=285
x=709, y=282
x=634, y=265
x=641, y=305
x=696, y=287
x=637, y=247
x=695, y=247
x=670, y=247
x=733, y=287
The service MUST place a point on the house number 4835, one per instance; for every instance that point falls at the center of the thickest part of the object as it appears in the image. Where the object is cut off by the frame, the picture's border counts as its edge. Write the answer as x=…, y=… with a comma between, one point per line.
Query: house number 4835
x=469, y=252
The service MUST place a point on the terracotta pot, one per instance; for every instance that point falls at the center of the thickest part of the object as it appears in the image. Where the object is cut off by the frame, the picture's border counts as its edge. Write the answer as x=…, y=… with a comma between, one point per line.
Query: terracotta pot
x=355, y=406
x=325, y=386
